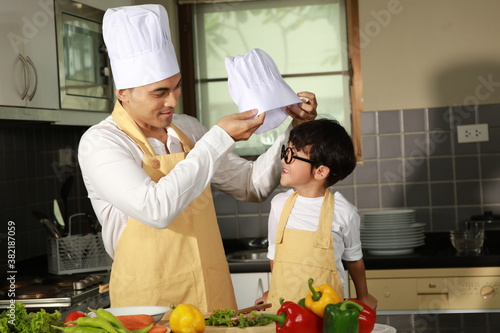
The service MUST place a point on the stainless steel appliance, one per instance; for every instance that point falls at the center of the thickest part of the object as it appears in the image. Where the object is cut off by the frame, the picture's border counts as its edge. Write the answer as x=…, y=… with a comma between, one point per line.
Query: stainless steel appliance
x=84, y=73
x=54, y=292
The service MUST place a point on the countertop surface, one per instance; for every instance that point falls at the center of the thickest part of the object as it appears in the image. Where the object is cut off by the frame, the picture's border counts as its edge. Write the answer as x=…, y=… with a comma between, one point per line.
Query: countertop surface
x=437, y=252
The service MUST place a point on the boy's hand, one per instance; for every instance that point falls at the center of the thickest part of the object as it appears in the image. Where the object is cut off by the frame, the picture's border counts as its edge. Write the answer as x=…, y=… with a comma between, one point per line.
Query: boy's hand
x=306, y=110
x=369, y=300
x=262, y=300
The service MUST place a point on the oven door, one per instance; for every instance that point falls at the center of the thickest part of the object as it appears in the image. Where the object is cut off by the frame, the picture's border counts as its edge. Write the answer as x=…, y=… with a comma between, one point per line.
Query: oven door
x=84, y=75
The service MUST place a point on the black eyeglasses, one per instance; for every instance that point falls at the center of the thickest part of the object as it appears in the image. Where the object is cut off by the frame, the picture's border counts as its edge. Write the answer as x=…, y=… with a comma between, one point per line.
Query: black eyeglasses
x=287, y=155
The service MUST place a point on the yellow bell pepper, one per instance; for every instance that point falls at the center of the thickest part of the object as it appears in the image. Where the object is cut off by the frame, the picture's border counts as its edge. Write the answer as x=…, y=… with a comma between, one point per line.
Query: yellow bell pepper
x=186, y=318
x=319, y=297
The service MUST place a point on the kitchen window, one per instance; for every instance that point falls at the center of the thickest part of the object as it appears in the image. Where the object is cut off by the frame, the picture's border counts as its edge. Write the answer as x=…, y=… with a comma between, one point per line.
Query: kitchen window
x=307, y=40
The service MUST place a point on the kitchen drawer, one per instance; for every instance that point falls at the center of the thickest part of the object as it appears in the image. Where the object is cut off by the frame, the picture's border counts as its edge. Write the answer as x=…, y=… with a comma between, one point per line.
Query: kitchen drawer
x=392, y=294
x=432, y=286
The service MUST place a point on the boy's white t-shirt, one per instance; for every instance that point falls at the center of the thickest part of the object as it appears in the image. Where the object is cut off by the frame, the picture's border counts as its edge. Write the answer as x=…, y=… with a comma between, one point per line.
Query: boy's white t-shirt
x=305, y=216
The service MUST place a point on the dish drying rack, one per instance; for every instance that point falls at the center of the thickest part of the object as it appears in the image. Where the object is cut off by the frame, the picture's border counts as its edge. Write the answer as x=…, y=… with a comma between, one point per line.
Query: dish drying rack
x=77, y=253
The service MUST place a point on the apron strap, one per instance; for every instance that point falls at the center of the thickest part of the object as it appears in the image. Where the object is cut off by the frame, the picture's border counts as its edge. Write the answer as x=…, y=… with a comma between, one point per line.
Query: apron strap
x=323, y=235
x=129, y=126
x=187, y=144
x=287, y=208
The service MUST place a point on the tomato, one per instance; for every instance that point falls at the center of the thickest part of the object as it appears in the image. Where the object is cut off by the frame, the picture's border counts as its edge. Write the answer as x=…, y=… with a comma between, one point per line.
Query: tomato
x=74, y=316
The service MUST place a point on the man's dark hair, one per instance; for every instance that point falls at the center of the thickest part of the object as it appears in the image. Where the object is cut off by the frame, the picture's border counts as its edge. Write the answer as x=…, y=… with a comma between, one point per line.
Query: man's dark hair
x=327, y=143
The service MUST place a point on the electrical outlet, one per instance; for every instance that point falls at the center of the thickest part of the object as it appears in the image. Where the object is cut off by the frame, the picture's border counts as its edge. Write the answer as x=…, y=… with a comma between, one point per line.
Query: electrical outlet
x=472, y=133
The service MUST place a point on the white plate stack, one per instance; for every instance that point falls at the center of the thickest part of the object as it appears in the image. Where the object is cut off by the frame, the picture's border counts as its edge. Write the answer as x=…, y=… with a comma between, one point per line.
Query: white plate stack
x=391, y=232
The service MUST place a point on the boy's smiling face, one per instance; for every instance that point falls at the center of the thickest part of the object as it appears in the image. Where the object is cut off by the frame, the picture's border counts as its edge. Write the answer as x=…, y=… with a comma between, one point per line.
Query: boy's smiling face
x=298, y=173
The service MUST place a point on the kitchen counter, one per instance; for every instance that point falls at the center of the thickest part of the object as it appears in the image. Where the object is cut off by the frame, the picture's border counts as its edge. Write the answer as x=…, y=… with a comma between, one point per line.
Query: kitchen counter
x=439, y=253
x=436, y=253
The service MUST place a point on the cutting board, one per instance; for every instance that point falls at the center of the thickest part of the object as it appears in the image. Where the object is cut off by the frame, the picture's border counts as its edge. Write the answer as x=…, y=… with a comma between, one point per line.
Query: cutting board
x=257, y=329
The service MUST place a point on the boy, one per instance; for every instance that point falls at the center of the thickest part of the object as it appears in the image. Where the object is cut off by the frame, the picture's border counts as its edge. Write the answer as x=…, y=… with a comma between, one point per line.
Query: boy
x=311, y=230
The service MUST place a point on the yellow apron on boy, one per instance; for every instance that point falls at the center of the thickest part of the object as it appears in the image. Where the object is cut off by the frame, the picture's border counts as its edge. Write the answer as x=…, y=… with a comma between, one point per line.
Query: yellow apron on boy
x=184, y=263
x=302, y=254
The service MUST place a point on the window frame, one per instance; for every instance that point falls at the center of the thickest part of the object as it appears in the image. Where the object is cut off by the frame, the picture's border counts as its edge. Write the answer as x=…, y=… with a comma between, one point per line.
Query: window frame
x=186, y=49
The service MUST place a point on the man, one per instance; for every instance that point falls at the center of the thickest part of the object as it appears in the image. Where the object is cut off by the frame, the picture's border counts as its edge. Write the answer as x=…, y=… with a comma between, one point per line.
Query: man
x=148, y=172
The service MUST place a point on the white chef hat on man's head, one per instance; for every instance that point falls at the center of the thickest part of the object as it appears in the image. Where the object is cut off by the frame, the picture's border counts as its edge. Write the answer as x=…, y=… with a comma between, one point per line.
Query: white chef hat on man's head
x=139, y=45
x=255, y=83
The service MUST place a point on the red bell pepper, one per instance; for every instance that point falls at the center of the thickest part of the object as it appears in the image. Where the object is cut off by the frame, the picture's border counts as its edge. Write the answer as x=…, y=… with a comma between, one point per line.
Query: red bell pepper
x=293, y=318
x=367, y=318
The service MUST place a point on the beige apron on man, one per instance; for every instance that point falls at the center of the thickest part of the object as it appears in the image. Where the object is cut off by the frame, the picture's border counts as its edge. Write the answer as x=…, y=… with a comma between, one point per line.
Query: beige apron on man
x=184, y=263
x=302, y=254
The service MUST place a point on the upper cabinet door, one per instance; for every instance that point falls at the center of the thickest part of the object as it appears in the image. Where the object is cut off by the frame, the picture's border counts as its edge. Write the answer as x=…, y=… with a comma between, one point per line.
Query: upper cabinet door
x=28, y=67
x=38, y=27
x=14, y=71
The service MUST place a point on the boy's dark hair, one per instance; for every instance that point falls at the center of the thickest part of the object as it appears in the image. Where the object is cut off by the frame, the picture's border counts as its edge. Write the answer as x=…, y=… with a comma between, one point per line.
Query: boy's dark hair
x=329, y=144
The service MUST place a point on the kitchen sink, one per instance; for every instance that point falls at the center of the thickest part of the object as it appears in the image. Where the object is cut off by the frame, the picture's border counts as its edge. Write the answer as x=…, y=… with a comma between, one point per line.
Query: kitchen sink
x=248, y=256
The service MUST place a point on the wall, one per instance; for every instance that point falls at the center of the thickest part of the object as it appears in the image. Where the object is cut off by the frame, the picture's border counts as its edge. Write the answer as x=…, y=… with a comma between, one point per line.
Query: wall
x=31, y=178
x=411, y=160
x=429, y=53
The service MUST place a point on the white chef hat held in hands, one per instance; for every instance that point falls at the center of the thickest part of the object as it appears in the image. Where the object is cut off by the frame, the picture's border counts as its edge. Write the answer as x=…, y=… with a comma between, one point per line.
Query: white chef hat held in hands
x=255, y=83
x=139, y=45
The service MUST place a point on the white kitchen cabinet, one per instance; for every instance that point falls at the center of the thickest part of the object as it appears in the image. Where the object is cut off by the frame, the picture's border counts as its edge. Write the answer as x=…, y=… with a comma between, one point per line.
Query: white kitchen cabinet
x=28, y=67
x=248, y=287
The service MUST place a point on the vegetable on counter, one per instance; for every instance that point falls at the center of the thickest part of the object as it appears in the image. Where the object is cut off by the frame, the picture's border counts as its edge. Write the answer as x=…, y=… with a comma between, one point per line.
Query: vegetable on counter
x=342, y=317
x=367, y=318
x=293, y=318
x=302, y=302
x=319, y=297
x=136, y=322
x=16, y=319
x=74, y=316
x=99, y=323
x=106, y=322
x=158, y=329
x=229, y=318
x=186, y=318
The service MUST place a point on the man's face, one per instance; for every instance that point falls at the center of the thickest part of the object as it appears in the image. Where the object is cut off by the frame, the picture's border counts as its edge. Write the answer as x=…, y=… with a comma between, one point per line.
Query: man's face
x=152, y=106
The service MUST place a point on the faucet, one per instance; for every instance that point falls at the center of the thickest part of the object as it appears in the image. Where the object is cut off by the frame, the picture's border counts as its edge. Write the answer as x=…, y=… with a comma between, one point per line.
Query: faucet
x=260, y=243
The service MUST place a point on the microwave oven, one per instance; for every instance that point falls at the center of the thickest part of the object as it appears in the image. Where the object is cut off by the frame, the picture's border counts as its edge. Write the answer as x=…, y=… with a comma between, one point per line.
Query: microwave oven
x=85, y=81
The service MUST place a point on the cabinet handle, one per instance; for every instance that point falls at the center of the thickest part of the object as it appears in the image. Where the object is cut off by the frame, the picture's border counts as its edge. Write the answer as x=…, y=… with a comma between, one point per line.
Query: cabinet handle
x=36, y=78
x=28, y=81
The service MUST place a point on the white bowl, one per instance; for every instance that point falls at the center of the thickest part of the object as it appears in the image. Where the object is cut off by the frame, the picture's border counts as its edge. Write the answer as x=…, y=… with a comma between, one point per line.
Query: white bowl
x=157, y=312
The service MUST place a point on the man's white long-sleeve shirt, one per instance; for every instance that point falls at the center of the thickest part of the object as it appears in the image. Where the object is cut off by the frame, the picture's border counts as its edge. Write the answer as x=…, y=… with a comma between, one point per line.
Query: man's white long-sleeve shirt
x=118, y=187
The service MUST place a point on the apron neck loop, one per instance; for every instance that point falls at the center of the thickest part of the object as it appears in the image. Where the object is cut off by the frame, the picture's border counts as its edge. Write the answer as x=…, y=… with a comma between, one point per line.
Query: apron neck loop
x=129, y=126
x=287, y=208
x=323, y=235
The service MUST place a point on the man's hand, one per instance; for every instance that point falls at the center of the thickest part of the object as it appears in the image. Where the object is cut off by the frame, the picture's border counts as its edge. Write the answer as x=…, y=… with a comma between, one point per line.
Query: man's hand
x=307, y=110
x=239, y=125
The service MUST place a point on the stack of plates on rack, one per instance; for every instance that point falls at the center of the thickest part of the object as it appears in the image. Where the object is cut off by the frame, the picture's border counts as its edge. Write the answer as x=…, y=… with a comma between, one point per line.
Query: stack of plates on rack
x=391, y=232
